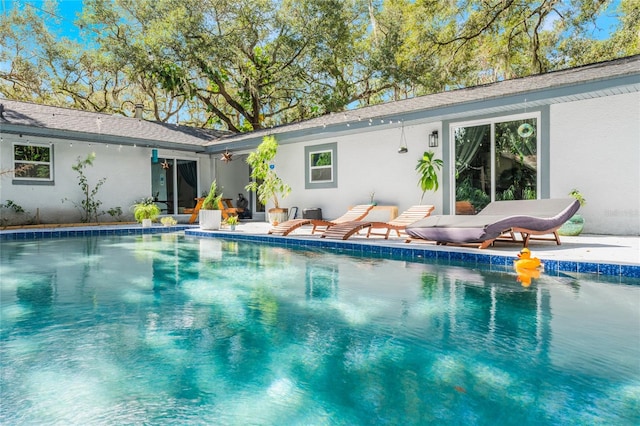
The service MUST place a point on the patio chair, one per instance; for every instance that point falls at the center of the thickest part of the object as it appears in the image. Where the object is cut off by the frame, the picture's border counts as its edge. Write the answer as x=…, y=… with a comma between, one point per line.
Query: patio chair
x=355, y=213
x=500, y=220
x=345, y=230
x=227, y=209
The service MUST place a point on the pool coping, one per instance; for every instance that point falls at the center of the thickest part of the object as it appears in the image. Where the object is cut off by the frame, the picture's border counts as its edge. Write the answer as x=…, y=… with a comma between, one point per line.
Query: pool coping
x=381, y=248
x=420, y=252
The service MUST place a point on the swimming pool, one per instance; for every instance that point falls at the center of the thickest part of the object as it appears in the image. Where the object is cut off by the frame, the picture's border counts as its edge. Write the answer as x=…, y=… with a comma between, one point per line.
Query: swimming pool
x=163, y=329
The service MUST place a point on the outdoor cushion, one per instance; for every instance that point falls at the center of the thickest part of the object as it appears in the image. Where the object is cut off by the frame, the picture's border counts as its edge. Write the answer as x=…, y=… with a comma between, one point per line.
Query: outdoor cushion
x=527, y=216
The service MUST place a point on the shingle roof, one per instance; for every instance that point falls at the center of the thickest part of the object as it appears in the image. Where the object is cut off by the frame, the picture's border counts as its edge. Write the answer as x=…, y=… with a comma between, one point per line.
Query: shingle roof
x=435, y=103
x=85, y=125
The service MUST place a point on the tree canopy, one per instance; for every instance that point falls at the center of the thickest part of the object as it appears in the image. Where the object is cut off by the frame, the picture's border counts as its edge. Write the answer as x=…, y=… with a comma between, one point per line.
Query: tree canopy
x=243, y=65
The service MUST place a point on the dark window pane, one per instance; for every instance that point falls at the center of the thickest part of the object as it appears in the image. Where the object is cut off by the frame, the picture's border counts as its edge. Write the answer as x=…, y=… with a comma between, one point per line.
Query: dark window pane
x=473, y=165
x=321, y=159
x=323, y=174
x=31, y=153
x=516, y=160
x=40, y=171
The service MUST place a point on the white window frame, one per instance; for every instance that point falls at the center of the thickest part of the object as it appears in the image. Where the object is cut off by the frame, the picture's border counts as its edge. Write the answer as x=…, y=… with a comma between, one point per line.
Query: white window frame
x=312, y=168
x=309, y=151
x=492, y=122
x=35, y=163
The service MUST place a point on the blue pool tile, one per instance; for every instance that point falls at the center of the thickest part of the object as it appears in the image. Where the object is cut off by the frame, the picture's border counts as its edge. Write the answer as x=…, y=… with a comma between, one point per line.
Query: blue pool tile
x=443, y=256
x=351, y=247
x=501, y=260
x=455, y=256
x=365, y=250
x=551, y=267
x=373, y=249
x=587, y=268
x=430, y=254
x=410, y=252
x=483, y=259
x=407, y=253
x=470, y=258
x=630, y=271
x=609, y=269
x=567, y=266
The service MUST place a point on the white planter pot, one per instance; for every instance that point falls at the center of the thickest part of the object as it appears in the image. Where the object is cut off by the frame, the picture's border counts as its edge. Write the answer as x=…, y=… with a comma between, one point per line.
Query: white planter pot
x=210, y=219
x=146, y=223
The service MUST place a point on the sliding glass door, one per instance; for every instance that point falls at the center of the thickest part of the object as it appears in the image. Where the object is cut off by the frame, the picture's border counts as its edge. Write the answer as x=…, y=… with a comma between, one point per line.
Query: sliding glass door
x=495, y=160
x=174, y=184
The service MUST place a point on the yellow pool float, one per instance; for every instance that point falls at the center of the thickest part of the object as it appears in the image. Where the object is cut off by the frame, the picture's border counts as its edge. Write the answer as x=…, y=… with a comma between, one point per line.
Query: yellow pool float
x=526, y=267
x=525, y=261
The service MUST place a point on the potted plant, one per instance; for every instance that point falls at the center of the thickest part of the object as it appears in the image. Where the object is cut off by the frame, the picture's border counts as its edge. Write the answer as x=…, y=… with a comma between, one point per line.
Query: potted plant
x=210, y=216
x=168, y=221
x=232, y=221
x=428, y=168
x=575, y=225
x=266, y=183
x=146, y=211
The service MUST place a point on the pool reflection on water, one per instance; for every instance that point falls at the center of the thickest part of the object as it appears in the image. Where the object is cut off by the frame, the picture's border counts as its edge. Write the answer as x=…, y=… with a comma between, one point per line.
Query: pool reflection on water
x=171, y=330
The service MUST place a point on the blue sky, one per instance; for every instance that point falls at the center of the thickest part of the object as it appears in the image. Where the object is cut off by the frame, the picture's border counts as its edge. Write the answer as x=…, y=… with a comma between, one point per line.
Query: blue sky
x=68, y=10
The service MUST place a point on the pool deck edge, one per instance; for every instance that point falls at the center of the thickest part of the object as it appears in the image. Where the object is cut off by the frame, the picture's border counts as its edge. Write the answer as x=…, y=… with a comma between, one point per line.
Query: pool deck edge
x=396, y=249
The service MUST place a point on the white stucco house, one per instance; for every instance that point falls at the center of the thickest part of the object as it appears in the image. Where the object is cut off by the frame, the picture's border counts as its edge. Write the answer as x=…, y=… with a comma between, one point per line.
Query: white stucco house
x=538, y=136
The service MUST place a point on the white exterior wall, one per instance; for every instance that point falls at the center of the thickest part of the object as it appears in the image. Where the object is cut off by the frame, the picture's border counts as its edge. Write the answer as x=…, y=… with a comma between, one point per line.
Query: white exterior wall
x=595, y=148
x=367, y=162
x=126, y=168
x=231, y=177
x=126, y=179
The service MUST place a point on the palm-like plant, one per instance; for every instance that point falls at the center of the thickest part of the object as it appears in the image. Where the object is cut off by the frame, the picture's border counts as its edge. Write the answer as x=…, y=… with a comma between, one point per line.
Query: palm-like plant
x=212, y=200
x=270, y=185
x=428, y=169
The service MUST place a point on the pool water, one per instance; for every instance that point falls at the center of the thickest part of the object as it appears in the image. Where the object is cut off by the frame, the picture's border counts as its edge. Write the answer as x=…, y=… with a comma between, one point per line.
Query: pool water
x=169, y=330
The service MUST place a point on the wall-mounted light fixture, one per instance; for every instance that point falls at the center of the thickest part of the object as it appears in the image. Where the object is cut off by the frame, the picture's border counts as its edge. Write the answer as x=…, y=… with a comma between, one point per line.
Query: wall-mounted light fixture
x=154, y=156
x=433, y=139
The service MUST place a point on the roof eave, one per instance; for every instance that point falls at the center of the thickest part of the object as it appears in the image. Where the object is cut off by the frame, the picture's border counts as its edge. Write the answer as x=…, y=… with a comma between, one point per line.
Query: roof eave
x=26, y=130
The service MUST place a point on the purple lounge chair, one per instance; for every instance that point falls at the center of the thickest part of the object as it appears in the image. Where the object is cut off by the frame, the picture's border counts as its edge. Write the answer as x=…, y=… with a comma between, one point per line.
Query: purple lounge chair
x=499, y=220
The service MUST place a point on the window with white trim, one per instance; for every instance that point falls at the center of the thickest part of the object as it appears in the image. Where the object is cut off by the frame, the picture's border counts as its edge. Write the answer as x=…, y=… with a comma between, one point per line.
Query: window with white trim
x=496, y=159
x=33, y=162
x=320, y=165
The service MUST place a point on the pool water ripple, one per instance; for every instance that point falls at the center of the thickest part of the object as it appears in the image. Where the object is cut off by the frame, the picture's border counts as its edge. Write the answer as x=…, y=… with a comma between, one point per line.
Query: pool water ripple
x=170, y=330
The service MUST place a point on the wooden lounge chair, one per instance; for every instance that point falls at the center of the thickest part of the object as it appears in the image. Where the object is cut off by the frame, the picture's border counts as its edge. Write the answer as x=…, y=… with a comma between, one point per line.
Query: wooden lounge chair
x=225, y=206
x=500, y=220
x=196, y=209
x=227, y=209
x=355, y=213
x=345, y=230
